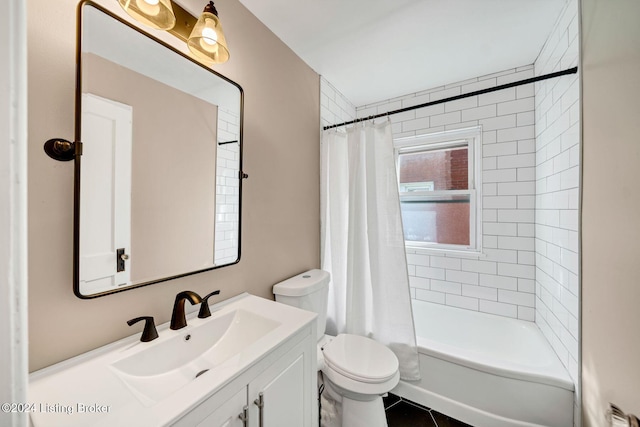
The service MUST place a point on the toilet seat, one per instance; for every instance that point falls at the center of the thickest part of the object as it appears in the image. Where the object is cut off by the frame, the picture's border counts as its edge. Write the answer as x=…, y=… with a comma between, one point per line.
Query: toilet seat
x=360, y=359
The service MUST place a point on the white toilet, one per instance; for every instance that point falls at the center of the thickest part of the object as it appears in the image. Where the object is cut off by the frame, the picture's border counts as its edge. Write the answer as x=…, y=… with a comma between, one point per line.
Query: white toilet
x=357, y=370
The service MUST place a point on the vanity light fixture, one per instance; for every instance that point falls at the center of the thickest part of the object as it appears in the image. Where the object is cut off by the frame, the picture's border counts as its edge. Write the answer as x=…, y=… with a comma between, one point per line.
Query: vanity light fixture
x=207, y=41
x=154, y=13
x=204, y=35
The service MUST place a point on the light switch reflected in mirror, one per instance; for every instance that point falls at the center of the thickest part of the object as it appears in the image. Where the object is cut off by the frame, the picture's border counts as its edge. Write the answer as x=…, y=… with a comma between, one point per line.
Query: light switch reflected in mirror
x=158, y=185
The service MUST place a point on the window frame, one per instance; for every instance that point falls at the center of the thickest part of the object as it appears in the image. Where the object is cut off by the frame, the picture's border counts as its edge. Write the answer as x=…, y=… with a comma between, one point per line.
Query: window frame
x=471, y=138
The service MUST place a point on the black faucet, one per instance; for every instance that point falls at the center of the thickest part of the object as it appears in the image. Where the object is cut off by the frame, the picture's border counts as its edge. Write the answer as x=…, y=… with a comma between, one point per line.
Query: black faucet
x=150, y=333
x=204, y=306
x=178, y=319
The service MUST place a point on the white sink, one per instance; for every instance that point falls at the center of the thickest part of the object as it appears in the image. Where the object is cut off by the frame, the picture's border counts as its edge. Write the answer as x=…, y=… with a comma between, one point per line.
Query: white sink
x=156, y=383
x=158, y=371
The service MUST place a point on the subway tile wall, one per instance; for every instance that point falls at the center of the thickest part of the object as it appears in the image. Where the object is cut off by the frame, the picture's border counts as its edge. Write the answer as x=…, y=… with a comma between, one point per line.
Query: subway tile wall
x=502, y=280
x=557, y=121
x=227, y=189
x=334, y=106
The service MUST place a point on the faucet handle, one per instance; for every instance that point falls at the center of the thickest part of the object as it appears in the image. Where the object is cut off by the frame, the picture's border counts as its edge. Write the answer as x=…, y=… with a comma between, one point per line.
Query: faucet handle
x=204, y=306
x=150, y=333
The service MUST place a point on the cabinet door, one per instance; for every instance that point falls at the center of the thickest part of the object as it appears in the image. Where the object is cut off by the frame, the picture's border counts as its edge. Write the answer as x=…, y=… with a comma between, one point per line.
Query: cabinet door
x=227, y=414
x=283, y=395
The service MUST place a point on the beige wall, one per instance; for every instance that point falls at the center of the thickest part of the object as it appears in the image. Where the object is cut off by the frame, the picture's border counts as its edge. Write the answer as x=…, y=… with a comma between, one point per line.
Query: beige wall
x=611, y=208
x=280, y=222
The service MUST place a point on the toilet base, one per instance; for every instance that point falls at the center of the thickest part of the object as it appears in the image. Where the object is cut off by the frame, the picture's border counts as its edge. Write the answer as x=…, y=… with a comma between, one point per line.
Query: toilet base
x=357, y=413
x=341, y=411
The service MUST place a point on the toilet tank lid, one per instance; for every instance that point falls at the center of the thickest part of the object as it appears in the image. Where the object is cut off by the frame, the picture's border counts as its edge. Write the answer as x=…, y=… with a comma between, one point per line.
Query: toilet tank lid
x=302, y=284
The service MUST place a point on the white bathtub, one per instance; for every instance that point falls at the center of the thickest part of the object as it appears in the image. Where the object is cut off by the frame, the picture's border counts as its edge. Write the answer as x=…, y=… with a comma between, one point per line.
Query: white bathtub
x=487, y=371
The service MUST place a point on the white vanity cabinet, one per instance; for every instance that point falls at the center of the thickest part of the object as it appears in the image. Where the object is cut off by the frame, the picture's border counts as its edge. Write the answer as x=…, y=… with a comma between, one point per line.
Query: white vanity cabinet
x=278, y=391
x=280, y=396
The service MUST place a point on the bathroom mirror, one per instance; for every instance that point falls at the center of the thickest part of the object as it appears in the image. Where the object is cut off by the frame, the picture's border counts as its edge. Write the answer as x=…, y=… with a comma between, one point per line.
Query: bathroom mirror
x=158, y=183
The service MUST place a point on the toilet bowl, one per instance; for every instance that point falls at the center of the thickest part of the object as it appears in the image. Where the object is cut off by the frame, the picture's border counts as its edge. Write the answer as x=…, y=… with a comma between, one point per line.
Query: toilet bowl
x=356, y=370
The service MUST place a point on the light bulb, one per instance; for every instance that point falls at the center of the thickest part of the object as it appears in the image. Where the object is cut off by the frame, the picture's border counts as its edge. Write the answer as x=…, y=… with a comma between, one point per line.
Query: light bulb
x=209, y=38
x=207, y=41
x=149, y=7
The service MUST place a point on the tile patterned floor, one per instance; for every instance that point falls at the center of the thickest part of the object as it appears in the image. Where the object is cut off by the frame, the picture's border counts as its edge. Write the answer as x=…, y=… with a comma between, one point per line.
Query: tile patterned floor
x=403, y=413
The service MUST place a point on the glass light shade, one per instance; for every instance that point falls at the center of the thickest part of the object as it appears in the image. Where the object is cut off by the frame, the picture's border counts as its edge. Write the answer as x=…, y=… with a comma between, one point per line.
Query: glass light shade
x=154, y=13
x=207, y=41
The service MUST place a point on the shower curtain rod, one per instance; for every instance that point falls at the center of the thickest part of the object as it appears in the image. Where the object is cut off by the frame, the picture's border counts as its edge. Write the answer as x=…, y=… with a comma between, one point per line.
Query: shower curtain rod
x=465, y=95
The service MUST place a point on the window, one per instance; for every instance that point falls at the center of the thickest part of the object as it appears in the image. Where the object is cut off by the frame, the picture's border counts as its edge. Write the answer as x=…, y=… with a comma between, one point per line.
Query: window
x=439, y=181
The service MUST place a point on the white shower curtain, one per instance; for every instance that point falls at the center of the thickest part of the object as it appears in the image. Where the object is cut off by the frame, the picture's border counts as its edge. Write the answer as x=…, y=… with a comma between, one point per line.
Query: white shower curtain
x=363, y=243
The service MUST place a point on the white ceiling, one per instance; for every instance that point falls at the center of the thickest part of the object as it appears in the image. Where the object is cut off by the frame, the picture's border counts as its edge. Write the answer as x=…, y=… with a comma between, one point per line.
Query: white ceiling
x=373, y=50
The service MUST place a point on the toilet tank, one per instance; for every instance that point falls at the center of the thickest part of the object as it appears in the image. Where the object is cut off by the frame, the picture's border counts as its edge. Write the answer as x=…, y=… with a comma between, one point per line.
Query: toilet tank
x=308, y=291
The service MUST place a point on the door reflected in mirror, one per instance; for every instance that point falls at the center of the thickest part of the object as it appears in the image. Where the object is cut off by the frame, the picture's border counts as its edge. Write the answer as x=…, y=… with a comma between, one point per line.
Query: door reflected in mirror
x=158, y=185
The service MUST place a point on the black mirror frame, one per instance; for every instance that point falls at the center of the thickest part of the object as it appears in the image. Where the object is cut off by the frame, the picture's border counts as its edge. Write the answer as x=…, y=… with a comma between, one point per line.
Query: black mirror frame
x=78, y=154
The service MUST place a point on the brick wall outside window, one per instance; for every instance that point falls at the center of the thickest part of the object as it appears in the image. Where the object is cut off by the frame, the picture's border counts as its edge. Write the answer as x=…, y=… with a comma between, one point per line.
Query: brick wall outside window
x=448, y=170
